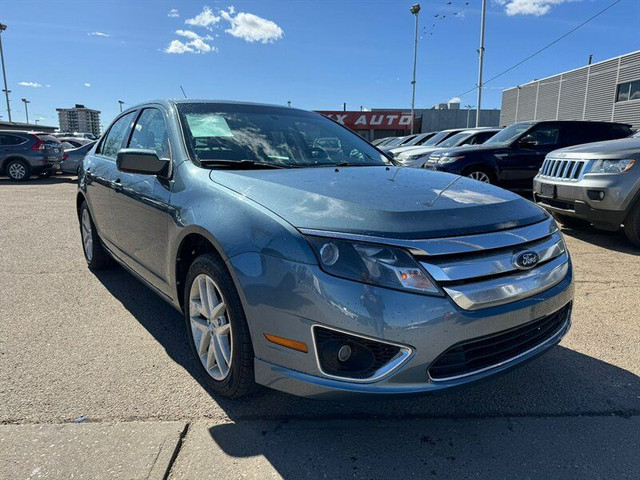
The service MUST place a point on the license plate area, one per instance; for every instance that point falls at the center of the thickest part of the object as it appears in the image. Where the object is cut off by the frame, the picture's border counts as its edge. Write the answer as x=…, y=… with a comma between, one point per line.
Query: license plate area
x=547, y=190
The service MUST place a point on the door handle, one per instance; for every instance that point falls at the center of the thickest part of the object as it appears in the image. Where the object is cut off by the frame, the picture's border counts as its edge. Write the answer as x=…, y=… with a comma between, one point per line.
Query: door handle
x=117, y=185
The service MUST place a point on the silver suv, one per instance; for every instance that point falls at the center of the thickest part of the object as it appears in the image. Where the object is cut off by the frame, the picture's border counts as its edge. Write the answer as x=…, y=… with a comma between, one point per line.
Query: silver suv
x=598, y=183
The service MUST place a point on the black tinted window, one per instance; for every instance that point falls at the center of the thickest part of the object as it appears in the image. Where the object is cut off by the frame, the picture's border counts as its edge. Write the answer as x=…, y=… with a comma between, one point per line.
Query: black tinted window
x=113, y=142
x=150, y=133
x=11, y=140
x=545, y=135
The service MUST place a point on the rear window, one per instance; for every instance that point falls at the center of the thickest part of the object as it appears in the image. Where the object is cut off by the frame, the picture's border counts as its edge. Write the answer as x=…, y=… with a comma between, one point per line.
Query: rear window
x=48, y=138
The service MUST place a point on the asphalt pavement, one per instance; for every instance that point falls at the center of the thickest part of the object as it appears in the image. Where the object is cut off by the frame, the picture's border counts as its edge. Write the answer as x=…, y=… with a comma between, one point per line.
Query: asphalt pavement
x=99, y=358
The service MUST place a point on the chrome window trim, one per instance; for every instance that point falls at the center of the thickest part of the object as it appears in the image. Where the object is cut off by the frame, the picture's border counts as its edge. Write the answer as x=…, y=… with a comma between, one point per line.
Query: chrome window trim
x=401, y=358
x=453, y=245
x=490, y=263
x=509, y=288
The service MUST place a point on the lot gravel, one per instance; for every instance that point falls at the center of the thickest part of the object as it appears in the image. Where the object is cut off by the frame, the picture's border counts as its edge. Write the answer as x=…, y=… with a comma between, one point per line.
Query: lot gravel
x=74, y=343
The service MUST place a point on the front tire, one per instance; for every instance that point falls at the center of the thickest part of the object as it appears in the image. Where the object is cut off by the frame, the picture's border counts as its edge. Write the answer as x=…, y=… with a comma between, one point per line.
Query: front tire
x=217, y=328
x=18, y=170
x=94, y=253
x=632, y=225
x=480, y=174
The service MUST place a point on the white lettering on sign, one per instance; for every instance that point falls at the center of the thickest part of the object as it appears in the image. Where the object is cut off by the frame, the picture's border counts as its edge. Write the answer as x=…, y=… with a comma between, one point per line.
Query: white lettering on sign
x=340, y=118
x=405, y=120
x=375, y=121
x=391, y=119
x=362, y=120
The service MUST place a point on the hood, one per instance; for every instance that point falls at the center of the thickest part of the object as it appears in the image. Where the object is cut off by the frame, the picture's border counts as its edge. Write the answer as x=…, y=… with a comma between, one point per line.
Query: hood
x=623, y=148
x=403, y=203
x=410, y=151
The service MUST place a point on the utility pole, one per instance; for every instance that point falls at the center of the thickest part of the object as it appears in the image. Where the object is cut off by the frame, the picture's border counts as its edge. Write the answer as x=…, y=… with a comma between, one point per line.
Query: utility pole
x=481, y=61
x=6, y=90
x=415, y=10
x=26, y=109
x=121, y=103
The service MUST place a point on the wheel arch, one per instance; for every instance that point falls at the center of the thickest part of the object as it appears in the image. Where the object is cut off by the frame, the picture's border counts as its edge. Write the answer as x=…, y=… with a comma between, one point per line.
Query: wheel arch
x=14, y=157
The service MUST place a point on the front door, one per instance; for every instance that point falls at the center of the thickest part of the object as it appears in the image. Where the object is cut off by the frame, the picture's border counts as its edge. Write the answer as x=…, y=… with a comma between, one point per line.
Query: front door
x=141, y=204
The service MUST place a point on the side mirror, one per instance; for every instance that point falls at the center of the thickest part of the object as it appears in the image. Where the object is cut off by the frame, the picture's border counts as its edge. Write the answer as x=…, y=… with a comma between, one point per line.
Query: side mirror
x=528, y=142
x=146, y=162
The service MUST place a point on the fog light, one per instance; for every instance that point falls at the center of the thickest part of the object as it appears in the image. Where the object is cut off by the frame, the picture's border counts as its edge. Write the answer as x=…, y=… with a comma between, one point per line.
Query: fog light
x=595, y=194
x=344, y=353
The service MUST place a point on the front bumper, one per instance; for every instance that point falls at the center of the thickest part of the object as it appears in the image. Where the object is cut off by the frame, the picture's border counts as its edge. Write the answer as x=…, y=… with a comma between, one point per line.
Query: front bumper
x=288, y=299
x=572, y=198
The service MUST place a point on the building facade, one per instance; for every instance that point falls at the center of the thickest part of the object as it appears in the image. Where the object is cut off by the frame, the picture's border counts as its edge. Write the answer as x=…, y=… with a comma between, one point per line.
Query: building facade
x=603, y=91
x=79, y=119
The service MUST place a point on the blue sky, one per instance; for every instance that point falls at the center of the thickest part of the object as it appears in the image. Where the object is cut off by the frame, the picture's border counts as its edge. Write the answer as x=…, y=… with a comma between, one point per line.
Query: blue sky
x=317, y=54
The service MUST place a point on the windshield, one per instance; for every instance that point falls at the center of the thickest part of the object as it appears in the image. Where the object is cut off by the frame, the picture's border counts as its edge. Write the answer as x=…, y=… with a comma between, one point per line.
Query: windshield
x=270, y=136
x=454, y=140
x=436, y=139
x=509, y=134
x=395, y=142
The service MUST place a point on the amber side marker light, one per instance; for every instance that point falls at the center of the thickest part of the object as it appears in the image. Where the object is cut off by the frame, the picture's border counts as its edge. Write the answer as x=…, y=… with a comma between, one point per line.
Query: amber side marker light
x=286, y=342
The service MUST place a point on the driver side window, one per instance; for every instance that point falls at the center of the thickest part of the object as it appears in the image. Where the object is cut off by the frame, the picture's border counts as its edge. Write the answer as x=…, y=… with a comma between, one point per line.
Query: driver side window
x=545, y=135
x=150, y=133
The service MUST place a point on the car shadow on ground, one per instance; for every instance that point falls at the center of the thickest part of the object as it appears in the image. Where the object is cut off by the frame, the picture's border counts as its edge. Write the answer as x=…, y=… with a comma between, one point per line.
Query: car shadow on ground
x=616, y=241
x=439, y=427
x=51, y=180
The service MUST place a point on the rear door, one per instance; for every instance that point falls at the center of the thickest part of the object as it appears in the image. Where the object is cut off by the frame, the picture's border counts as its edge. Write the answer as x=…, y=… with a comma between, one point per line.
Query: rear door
x=520, y=163
x=100, y=173
x=141, y=203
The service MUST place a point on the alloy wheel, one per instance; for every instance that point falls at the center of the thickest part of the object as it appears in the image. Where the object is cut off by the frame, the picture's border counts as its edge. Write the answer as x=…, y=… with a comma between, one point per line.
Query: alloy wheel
x=87, y=237
x=480, y=176
x=17, y=171
x=210, y=327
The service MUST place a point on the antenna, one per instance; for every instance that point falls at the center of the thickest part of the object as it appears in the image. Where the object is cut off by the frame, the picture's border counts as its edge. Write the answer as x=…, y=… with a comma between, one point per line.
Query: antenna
x=185, y=95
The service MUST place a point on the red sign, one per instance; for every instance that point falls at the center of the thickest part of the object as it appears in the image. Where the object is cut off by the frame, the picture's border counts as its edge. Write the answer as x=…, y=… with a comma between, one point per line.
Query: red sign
x=371, y=120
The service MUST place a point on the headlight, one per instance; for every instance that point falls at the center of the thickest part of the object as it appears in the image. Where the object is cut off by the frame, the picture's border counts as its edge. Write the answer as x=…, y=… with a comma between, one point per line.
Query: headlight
x=444, y=159
x=611, y=166
x=410, y=158
x=373, y=264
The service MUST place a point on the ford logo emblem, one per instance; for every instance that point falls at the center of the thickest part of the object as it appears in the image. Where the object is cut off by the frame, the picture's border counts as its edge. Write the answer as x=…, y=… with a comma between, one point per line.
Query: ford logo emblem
x=525, y=260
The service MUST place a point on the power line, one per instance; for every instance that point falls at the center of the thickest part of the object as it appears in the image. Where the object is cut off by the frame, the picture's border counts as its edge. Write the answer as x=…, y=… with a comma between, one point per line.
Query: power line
x=545, y=47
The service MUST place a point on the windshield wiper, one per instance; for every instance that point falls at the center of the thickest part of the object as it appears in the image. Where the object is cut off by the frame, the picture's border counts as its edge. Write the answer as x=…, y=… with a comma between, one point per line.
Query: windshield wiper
x=239, y=164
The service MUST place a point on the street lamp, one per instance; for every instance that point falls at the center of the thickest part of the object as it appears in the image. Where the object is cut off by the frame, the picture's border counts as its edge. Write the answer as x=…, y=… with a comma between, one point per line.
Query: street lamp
x=6, y=90
x=26, y=109
x=121, y=103
x=468, y=107
x=415, y=10
x=37, y=120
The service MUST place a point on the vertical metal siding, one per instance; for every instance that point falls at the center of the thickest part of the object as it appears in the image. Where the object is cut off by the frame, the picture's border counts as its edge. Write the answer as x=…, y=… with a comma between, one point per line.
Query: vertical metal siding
x=527, y=102
x=508, y=110
x=602, y=89
x=548, y=98
x=574, y=85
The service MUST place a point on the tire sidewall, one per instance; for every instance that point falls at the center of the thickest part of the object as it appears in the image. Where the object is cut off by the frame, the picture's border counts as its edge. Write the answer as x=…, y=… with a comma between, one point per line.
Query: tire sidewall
x=210, y=265
x=20, y=162
x=469, y=170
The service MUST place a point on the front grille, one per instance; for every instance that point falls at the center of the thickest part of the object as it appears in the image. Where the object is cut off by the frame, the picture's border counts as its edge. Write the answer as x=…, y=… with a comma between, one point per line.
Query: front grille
x=473, y=356
x=368, y=356
x=563, y=169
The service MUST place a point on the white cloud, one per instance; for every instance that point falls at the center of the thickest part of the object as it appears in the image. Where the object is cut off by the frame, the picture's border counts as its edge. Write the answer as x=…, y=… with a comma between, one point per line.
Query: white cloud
x=173, y=13
x=251, y=28
x=176, y=46
x=99, y=34
x=193, y=35
x=529, y=7
x=196, y=43
x=30, y=84
x=454, y=100
x=87, y=84
x=205, y=19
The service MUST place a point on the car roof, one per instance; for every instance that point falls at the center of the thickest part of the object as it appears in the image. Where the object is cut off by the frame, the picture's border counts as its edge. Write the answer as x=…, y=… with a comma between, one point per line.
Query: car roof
x=591, y=122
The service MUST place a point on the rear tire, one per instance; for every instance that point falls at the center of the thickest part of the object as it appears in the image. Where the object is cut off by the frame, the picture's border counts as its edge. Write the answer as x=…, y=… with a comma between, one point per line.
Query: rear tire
x=217, y=328
x=94, y=253
x=480, y=174
x=632, y=225
x=18, y=170
x=570, y=222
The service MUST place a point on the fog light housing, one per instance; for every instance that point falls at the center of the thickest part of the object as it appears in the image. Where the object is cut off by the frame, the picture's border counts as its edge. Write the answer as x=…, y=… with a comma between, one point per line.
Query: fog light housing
x=597, y=195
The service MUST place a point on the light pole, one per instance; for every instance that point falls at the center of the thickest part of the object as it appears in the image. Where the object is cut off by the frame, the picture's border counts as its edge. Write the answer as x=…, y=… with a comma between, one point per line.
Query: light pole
x=121, y=103
x=6, y=90
x=26, y=109
x=37, y=120
x=469, y=107
x=480, y=62
x=415, y=10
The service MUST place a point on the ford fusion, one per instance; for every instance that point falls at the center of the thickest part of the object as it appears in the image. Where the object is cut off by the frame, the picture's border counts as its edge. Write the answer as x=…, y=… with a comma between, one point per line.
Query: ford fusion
x=320, y=271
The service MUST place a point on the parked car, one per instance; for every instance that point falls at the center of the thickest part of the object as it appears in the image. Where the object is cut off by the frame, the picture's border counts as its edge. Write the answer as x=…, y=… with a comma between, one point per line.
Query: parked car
x=431, y=142
x=381, y=141
x=417, y=157
x=75, y=141
x=597, y=183
x=73, y=158
x=397, y=142
x=85, y=135
x=416, y=141
x=23, y=154
x=512, y=157
x=313, y=275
